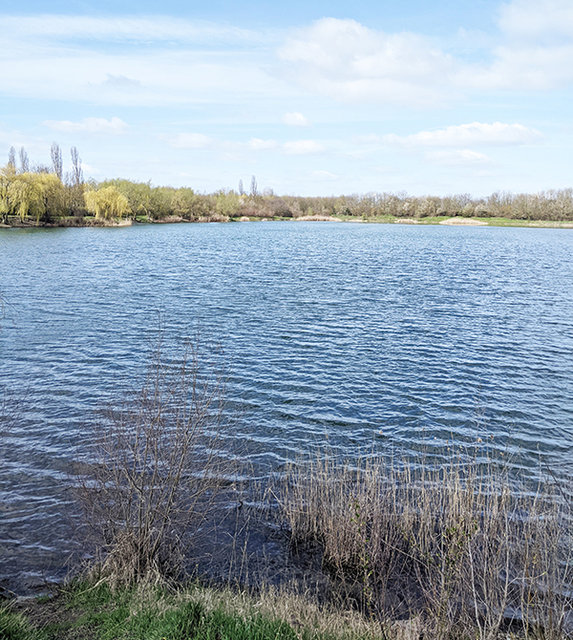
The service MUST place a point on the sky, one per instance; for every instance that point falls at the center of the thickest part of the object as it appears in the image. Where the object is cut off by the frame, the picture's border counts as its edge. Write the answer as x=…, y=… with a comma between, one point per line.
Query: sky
x=313, y=98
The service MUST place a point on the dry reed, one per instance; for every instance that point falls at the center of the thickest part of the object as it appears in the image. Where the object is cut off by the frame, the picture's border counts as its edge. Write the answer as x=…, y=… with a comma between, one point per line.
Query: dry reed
x=463, y=548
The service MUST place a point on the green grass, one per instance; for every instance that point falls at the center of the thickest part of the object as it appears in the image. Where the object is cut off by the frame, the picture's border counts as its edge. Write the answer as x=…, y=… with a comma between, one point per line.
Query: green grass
x=97, y=613
x=14, y=626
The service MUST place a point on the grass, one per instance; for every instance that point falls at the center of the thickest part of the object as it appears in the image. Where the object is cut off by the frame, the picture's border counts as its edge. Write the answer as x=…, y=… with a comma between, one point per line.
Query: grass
x=14, y=626
x=88, y=612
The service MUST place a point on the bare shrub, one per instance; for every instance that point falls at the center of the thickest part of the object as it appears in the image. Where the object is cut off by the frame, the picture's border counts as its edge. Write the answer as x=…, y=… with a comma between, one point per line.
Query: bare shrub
x=156, y=474
x=463, y=547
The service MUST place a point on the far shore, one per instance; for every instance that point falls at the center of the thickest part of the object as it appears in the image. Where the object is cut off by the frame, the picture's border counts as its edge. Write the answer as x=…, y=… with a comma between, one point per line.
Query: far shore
x=90, y=221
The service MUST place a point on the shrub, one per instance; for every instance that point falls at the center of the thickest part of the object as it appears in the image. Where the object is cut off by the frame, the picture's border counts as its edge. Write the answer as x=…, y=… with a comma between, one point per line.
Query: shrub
x=156, y=474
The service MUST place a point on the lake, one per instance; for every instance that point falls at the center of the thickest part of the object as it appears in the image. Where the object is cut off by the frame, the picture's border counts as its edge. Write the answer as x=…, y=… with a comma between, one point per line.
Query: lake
x=362, y=337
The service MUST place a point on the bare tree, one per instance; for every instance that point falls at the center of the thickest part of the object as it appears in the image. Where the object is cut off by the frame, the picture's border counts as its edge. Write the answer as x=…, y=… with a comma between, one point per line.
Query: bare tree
x=57, y=163
x=24, y=160
x=12, y=158
x=254, y=188
x=241, y=188
x=77, y=172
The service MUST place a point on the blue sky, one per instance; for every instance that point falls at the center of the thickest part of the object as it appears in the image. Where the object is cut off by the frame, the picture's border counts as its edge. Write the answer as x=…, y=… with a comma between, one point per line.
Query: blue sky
x=312, y=98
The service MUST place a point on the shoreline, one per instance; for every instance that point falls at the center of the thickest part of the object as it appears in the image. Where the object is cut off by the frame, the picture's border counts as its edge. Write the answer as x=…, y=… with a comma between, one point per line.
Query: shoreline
x=460, y=221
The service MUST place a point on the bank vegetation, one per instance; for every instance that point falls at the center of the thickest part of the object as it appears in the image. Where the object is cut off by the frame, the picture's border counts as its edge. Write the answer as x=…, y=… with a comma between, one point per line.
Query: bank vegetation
x=45, y=195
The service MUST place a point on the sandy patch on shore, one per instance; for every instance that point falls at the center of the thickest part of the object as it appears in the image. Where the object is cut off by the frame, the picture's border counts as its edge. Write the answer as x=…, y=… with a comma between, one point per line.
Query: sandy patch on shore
x=464, y=221
x=316, y=219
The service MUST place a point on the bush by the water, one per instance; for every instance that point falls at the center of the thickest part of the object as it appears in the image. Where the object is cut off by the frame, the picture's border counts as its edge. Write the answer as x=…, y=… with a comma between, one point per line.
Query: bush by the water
x=155, y=475
x=462, y=548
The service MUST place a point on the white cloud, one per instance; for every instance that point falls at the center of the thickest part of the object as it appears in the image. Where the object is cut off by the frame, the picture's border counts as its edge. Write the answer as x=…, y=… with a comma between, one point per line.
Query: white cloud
x=459, y=157
x=258, y=144
x=91, y=170
x=133, y=61
x=121, y=82
x=146, y=29
x=325, y=175
x=537, y=19
x=348, y=61
x=191, y=141
x=302, y=147
x=295, y=119
x=161, y=61
x=464, y=135
x=535, y=50
x=89, y=125
x=292, y=147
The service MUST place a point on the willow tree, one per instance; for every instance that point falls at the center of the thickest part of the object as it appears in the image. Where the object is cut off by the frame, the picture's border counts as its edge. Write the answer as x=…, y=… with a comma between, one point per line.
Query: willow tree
x=23, y=196
x=107, y=203
x=40, y=195
x=4, y=202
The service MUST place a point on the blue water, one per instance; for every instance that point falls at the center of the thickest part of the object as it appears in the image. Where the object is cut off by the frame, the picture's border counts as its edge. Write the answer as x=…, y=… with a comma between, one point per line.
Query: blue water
x=385, y=337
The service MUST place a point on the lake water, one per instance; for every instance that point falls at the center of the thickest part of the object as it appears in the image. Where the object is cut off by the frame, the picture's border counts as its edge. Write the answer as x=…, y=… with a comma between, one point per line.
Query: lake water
x=366, y=337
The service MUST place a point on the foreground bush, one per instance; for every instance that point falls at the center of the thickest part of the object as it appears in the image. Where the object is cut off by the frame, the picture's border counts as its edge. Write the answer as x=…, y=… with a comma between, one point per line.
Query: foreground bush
x=155, y=475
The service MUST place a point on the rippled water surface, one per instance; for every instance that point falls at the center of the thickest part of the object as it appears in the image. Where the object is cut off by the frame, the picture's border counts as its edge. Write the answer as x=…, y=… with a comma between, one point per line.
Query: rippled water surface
x=363, y=336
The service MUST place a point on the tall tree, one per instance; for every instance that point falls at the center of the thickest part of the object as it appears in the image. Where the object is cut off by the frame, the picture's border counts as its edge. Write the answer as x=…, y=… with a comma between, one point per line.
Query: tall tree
x=57, y=163
x=24, y=160
x=254, y=188
x=12, y=159
x=241, y=188
x=77, y=173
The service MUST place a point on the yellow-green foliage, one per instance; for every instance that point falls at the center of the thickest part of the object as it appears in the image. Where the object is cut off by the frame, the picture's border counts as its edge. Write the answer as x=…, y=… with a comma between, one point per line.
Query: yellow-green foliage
x=107, y=203
x=40, y=195
x=227, y=203
x=4, y=202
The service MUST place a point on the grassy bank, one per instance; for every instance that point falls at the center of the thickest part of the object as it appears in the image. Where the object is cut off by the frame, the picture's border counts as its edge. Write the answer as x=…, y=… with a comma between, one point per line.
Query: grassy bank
x=87, y=612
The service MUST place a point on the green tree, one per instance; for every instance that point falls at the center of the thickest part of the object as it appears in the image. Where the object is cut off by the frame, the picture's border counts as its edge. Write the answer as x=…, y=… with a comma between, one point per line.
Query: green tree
x=4, y=201
x=40, y=195
x=107, y=203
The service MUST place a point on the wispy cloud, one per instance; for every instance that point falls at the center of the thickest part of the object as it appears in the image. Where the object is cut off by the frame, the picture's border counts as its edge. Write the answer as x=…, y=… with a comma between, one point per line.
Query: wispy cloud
x=464, y=135
x=535, y=20
x=303, y=147
x=295, y=119
x=321, y=174
x=459, y=157
x=259, y=144
x=133, y=61
x=89, y=125
x=190, y=141
x=146, y=29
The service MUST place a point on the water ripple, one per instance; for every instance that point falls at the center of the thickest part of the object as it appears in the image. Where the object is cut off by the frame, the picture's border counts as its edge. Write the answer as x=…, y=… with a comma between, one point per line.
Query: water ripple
x=363, y=337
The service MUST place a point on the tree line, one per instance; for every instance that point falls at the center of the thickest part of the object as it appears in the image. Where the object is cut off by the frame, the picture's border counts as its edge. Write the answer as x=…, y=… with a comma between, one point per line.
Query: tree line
x=45, y=194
